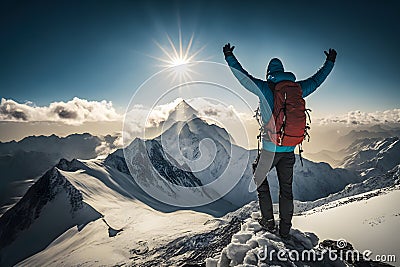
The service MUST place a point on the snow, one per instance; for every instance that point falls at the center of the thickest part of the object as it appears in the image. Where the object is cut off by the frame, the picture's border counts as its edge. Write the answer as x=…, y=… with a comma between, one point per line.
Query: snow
x=207, y=151
x=210, y=160
x=141, y=225
x=23, y=162
x=373, y=156
x=389, y=179
x=368, y=224
x=48, y=209
x=118, y=223
x=249, y=245
x=182, y=112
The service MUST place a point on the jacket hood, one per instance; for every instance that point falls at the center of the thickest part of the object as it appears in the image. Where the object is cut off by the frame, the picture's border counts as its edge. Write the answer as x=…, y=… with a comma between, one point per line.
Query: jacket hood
x=276, y=72
x=274, y=65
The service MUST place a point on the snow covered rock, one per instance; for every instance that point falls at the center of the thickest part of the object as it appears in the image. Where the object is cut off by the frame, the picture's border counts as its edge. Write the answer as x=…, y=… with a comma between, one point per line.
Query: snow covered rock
x=72, y=165
x=168, y=168
x=252, y=246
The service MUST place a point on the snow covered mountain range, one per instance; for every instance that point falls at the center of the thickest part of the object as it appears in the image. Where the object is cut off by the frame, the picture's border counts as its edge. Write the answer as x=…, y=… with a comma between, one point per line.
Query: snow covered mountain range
x=23, y=162
x=81, y=207
x=50, y=207
x=342, y=147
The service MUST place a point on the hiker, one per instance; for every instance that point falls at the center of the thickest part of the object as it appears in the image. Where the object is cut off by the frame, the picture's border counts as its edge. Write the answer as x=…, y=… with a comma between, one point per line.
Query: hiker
x=281, y=131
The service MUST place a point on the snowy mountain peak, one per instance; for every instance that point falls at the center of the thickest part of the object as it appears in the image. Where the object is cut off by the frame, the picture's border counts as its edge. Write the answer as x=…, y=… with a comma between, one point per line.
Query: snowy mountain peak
x=182, y=112
x=183, y=105
x=198, y=129
x=51, y=206
x=29, y=208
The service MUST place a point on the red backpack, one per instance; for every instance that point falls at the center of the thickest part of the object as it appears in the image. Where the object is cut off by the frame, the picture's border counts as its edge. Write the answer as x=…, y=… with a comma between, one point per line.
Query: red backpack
x=287, y=126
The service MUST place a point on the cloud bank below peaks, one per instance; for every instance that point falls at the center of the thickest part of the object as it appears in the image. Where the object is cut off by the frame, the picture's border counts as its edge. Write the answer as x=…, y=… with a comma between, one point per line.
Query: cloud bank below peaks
x=364, y=118
x=75, y=111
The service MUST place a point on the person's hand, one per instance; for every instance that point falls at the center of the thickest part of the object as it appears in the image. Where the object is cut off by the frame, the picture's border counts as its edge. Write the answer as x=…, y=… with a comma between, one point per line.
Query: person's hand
x=228, y=49
x=331, y=55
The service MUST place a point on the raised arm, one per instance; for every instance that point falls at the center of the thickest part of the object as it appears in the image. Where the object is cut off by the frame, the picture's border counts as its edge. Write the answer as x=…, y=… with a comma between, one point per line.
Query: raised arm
x=254, y=85
x=311, y=84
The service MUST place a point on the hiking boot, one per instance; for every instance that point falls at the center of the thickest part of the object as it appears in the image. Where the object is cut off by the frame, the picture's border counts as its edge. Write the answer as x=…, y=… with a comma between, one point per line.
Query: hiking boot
x=268, y=225
x=284, y=229
x=284, y=236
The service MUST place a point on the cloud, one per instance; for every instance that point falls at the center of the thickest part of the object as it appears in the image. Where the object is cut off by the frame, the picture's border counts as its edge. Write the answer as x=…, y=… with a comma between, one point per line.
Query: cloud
x=11, y=111
x=64, y=113
x=75, y=111
x=160, y=113
x=78, y=111
x=211, y=112
x=217, y=110
x=361, y=118
x=109, y=144
x=140, y=120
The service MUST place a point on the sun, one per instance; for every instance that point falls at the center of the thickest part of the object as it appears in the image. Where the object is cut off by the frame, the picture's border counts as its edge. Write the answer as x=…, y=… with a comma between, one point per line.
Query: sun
x=179, y=61
x=177, y=54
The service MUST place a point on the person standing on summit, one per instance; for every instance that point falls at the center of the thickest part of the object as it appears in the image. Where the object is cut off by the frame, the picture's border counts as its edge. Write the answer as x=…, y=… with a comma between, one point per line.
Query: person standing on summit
x=283, y=116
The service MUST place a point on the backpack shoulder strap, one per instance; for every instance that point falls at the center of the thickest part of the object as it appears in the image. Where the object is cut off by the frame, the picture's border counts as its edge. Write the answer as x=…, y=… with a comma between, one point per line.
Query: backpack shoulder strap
x=279, y=86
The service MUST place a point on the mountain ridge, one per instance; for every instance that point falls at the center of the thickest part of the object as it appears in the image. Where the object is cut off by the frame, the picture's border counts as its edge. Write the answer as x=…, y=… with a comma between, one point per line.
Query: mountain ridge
x=25, y=222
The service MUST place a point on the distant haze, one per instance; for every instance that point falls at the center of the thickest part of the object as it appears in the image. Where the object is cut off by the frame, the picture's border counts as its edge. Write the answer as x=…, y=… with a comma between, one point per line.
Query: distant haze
x=18, y=130
x=325, y=132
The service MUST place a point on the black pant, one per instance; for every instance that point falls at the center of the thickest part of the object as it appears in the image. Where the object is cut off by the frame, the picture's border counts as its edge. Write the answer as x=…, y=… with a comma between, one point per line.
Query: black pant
x=283, y=162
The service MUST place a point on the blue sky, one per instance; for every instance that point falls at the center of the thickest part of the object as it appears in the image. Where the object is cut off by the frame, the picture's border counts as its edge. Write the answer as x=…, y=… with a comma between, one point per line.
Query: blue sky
x=95, y=50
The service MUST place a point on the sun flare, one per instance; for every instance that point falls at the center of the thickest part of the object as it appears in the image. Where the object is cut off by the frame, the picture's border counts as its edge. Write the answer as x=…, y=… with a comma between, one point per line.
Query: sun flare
x=178, y=54
x=179, y=61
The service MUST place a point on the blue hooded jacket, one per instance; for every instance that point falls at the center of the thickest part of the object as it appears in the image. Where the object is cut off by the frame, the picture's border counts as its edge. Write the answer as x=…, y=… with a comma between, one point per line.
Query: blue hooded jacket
x=275, y=74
